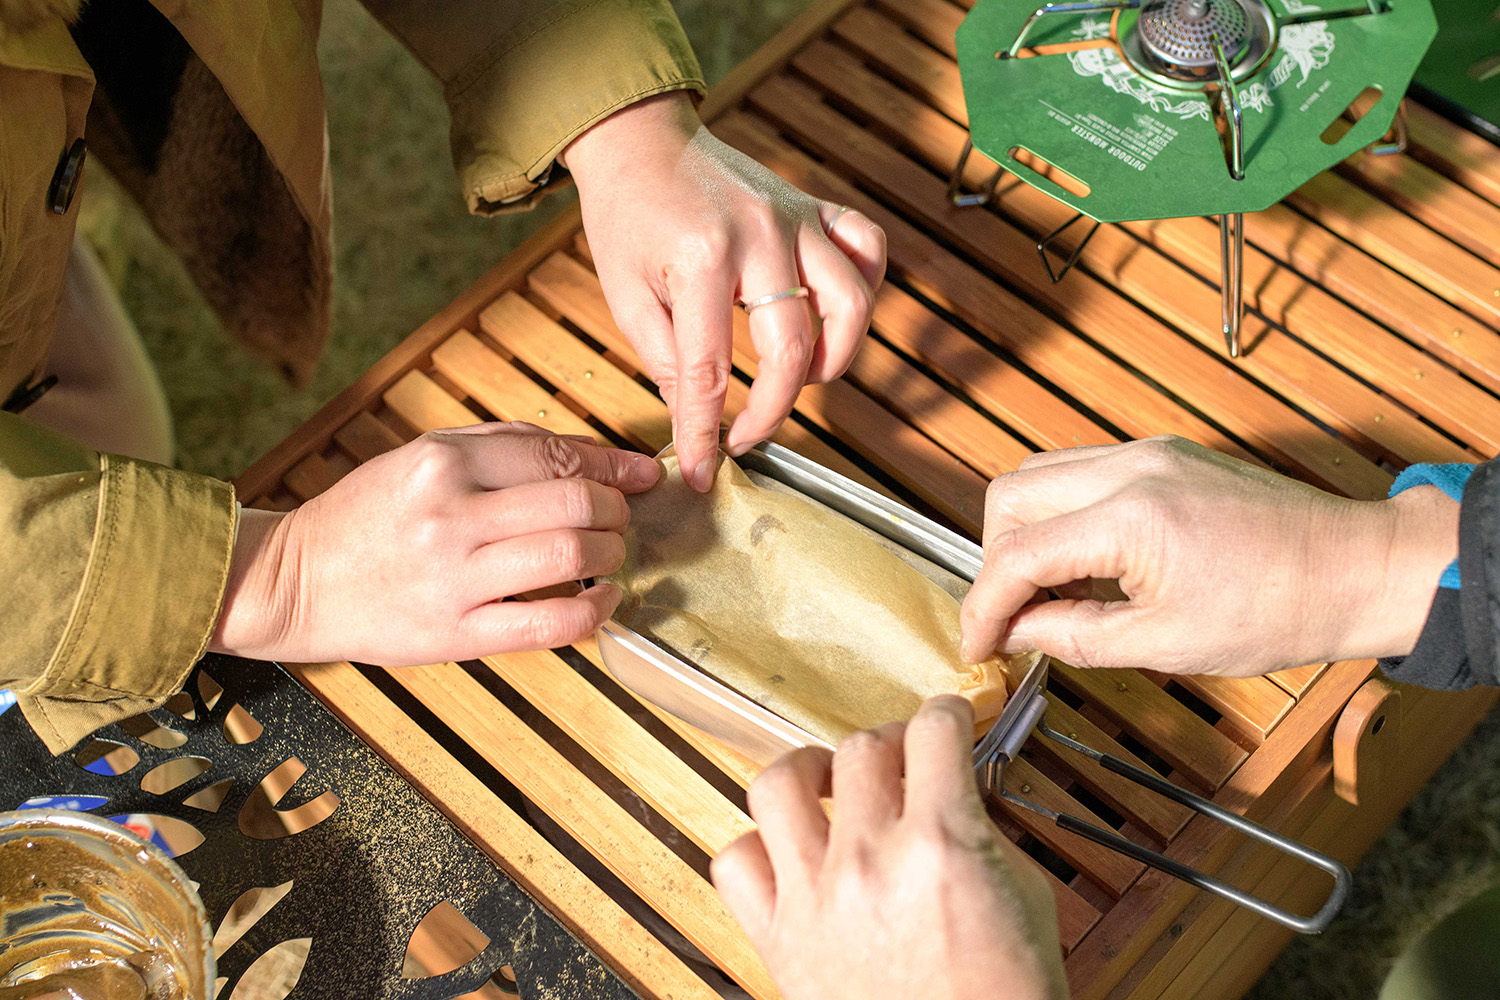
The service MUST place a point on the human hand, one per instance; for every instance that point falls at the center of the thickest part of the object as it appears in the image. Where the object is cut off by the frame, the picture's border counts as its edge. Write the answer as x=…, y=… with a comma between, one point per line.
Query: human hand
x=682, y=226
x=908, y=895
x=407, y=559
x=1227, y=568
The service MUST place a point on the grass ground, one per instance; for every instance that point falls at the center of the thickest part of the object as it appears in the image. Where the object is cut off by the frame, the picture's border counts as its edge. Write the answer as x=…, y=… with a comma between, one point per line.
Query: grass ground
x=405, y=247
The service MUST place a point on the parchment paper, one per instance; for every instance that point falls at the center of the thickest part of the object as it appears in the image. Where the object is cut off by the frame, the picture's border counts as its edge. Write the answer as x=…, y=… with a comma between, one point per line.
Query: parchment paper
x=793, y=605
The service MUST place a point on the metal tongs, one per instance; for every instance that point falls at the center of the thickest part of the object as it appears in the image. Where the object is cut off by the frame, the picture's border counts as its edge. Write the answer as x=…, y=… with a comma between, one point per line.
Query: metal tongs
x=1026, y=713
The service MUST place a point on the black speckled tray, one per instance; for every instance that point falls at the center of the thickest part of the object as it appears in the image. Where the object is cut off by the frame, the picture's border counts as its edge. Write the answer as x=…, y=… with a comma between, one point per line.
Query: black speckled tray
x=362, y=878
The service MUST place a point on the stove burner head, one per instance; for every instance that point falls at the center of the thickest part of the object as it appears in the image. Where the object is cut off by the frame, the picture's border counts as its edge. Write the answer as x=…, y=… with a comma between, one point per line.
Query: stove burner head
x=1177, y=32
x=1171, y=40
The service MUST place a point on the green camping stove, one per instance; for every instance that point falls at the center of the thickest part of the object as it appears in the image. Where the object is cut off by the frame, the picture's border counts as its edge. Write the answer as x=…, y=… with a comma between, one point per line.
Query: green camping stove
x=1159, y=109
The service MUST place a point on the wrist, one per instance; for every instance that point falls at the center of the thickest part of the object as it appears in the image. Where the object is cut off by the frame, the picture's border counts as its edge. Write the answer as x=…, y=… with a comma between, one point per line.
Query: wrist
x=650, y=132
x=1421, y=541
x=258, y=605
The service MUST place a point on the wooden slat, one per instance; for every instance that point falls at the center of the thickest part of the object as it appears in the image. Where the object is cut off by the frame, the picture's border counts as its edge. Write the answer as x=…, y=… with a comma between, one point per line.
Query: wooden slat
x=630, y=851
x=310, y=477
x=1449, y=209
x=1402, y=243
x=1111, y=871
x=907, y=455
x=1296, y=680
x=1161, y=816
x=424, y=405
x=733, y=763
x=1005, y=391
x=618, y=742
x=969, y=435
x=613, y=397
x=1253, y=705
x=511, y=842
x=1455, y=152
x=364, y=437
x=1294, y=370
x=1164, y=725
x=501, y=388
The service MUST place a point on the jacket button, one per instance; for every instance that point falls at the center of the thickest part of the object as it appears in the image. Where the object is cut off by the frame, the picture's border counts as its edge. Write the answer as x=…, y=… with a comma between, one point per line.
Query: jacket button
x=65, y=181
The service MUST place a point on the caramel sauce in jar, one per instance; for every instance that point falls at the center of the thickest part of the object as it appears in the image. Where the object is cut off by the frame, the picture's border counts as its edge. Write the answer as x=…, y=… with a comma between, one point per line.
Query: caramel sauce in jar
x=89, y=911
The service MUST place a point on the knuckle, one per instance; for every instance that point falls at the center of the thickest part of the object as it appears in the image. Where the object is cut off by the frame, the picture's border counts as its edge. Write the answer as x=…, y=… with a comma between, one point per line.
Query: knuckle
x=549, y=627
x=789, y=352
x=709, y=243
x=864, y=300
x=1004, y=541
x=568, y=554
x=434, y=458
x=707, y=377
x=1159, y=455
x=578, y=503
x=559, y=457
x=935, y=722
x=857, y=745
x=772, y=787
x=764, y=223
x=1001, y=494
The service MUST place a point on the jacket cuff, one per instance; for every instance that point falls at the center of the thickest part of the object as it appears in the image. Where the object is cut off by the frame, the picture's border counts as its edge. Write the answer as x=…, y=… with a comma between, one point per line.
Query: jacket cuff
x=542, y=85
x=1457, y=647
x=149, y=600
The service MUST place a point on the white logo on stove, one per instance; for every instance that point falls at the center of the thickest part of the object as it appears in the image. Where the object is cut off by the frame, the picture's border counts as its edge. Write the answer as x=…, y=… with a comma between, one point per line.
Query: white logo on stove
x=1305, y=47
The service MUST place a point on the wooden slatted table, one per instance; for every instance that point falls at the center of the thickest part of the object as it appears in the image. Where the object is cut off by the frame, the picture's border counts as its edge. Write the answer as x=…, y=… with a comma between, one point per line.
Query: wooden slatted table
x=1374, y=342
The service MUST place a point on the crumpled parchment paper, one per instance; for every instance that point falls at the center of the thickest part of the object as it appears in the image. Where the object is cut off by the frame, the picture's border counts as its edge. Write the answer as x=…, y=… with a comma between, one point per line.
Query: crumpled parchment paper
x=795, y=606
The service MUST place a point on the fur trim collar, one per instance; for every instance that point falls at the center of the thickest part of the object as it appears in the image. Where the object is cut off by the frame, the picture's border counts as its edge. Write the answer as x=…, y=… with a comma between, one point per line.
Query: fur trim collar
x=23, y=15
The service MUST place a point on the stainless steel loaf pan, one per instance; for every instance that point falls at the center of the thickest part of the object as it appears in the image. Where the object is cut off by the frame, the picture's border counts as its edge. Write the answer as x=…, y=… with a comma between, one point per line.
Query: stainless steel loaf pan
x=679, y=687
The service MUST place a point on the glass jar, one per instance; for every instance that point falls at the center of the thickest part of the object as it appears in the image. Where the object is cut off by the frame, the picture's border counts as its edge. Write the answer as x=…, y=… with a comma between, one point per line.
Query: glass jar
x=90, y=911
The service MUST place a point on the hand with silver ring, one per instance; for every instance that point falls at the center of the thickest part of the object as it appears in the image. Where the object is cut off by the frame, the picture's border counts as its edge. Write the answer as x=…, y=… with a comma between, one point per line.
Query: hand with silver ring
x=682, y=228
x=800, y=292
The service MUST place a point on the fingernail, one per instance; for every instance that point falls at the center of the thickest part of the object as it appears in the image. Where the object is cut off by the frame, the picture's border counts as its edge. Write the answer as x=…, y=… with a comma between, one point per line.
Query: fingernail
x=645, y=469
x=736, y=449
x=703, y=475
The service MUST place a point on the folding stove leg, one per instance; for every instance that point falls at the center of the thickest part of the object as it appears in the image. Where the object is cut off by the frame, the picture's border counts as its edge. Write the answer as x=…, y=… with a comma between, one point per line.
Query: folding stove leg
x=1232, y=277
x=956, y=192
x=1397, y=141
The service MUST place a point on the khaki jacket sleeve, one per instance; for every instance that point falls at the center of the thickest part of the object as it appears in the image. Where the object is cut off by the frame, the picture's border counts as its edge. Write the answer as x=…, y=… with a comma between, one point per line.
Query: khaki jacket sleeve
x=523, y=78
x=114, y=570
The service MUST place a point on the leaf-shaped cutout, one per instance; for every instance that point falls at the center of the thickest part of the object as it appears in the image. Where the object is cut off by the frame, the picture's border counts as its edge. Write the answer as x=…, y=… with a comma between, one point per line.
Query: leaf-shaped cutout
x=106, y=757
x=442, y=941
x=246, y=911
x=209, y=799
x=168, y=775
x=147, y=730
x=209, y=690
x=240, y=726
x=172, y=835
x=274, y=975
x=181, y=705
x=259, y=818
x=502, y=983
x=72, y=803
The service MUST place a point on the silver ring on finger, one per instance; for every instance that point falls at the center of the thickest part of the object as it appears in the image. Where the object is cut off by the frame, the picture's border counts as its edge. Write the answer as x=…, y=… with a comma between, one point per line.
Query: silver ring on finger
x=800, y=292
x=835, y=220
